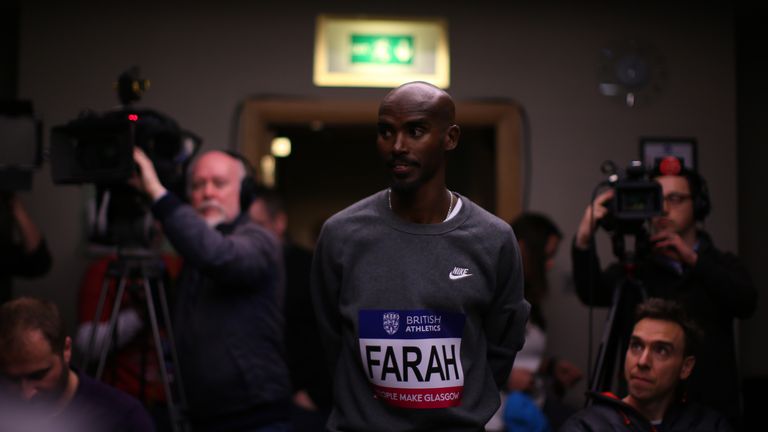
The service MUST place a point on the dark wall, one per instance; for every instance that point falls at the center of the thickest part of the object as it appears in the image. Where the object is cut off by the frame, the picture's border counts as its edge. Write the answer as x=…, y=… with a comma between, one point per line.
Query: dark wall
x=9, y=49
x=752, y=118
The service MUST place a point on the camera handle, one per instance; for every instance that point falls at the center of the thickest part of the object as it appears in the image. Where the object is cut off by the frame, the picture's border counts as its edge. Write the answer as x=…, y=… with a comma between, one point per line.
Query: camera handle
x=148, y=271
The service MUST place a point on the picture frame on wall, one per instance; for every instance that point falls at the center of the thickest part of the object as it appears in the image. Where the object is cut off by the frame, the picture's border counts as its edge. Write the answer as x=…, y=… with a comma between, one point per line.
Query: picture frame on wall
x=653, y=149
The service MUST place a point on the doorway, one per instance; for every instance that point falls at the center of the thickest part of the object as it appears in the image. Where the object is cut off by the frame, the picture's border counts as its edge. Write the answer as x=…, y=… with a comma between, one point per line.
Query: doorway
x=334, y=162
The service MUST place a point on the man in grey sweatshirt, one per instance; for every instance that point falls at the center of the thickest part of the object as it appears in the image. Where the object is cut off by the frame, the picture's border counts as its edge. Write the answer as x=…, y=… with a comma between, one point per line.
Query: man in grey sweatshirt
x=418, y=291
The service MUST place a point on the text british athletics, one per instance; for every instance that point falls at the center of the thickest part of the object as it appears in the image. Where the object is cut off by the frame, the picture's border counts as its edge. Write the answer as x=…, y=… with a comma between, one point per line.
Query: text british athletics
x=413, y=357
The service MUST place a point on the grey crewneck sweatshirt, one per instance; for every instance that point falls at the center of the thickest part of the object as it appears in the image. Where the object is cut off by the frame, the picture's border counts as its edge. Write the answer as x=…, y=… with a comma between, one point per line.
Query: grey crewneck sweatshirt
x=420, y=322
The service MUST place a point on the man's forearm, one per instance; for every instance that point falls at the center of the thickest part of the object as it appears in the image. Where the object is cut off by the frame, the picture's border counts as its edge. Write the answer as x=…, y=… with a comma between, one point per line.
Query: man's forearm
x=30, y=234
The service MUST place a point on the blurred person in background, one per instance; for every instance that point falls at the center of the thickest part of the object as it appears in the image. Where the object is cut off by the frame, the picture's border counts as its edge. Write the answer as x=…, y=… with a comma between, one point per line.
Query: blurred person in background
x=23, y=249
x=537, y=382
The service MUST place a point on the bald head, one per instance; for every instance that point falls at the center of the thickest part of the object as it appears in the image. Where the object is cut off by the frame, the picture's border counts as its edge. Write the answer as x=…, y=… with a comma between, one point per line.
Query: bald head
x=416, y=130
x=423, y=97
x=218, y=157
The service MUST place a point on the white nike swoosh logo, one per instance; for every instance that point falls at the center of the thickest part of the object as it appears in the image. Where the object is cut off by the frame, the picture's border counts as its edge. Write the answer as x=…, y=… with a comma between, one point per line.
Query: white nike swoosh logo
x=459, y=276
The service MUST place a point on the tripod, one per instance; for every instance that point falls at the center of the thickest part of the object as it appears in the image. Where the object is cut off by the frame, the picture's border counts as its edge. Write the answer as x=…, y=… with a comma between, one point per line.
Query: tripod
x=614, y=343
x=146, y=270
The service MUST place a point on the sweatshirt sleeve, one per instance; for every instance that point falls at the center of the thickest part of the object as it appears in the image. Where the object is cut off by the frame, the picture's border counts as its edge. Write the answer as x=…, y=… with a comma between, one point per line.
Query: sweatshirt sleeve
x=505, y=322
x=241, y=258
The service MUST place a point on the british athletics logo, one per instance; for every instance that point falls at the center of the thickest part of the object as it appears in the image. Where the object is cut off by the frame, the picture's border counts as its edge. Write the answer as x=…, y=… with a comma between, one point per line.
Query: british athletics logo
x=413, y=357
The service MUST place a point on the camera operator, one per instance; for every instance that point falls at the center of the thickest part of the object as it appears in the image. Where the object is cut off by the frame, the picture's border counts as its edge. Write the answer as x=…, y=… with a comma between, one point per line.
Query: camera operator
x=227, y=315
x=23, y=250
x=683, y=265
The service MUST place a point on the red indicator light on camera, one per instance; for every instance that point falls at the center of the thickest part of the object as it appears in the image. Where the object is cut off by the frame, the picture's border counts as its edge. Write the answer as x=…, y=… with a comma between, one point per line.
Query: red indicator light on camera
x=670, y=165
x=133, y=117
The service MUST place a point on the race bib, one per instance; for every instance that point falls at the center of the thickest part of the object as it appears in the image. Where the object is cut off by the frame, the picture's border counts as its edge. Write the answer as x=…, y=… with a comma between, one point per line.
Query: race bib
x=413, y=357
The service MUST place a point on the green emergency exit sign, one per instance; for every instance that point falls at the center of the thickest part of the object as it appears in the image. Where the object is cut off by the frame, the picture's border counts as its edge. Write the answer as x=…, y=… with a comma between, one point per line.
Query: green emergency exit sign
x=382, y=49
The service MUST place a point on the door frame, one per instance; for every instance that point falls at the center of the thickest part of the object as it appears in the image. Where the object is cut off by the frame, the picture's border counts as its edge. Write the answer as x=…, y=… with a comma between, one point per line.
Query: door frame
x=505, y=117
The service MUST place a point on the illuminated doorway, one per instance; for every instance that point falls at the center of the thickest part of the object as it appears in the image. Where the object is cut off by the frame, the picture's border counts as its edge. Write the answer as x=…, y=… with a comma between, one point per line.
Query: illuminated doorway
x=334, y=162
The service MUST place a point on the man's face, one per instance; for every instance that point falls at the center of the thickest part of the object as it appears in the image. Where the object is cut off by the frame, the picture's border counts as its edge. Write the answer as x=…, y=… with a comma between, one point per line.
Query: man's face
x=35, y=373
x=259, y=213
x=678, y=205
x=656, y=361
x=215, y=187
x=413, y=138
x=553, y=242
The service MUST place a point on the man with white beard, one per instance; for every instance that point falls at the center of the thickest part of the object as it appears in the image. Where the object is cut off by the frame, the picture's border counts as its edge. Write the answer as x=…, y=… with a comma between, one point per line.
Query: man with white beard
x=228, y=316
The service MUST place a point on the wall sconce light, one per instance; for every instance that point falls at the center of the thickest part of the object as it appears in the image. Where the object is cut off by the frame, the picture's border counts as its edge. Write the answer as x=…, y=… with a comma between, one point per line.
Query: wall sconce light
x=268, y=171
x=281, y=147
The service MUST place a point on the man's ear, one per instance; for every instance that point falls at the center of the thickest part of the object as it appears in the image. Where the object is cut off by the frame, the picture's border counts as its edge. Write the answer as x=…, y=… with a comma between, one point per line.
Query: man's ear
x=452, y=137
x=687, y=368
x=67, y=349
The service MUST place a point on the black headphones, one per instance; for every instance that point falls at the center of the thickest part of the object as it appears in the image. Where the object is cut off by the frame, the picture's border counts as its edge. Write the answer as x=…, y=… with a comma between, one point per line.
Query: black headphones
x=248, y=185
x=700, y=195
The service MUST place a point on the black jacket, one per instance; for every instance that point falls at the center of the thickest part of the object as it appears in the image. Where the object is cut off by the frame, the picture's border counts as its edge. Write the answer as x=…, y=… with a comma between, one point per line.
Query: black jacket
x=302, y=334
x=714, y=292
x=14, y=261
x=228, y=319
x=609, y=413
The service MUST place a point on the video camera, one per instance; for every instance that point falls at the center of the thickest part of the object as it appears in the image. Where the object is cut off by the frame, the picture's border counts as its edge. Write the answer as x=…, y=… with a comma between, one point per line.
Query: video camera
x=636, y=199
x=97, y=148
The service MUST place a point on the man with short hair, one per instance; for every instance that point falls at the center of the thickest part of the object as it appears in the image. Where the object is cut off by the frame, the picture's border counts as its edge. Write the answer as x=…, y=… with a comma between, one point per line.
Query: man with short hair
x=39, y=390
x=659, y=360
x=683, y=264
x=418, y=291
x=228, y=318
x=310, y=379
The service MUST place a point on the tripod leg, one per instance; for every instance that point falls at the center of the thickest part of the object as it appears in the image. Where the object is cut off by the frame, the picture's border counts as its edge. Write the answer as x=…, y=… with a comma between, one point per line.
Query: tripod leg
x=95, y=323
x=172, y=343
x=602, y=374
x=112, y=324
x=173, y=410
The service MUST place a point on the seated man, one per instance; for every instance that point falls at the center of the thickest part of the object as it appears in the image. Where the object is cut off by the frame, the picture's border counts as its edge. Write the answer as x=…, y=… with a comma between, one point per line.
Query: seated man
x=39, y=391
x=659, y=359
